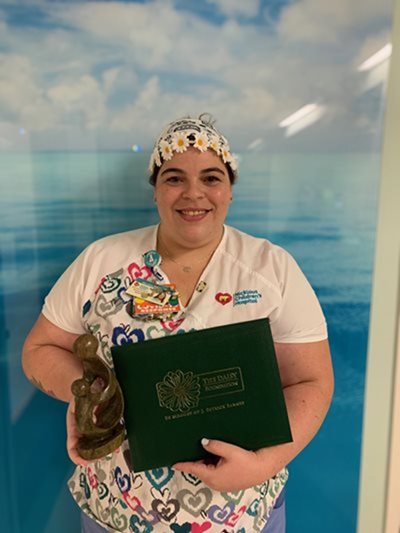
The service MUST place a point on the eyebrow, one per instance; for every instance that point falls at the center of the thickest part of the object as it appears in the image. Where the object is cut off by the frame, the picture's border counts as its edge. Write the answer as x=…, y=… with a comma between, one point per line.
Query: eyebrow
x=212, y=169
x=204, y=171
x=172, y=170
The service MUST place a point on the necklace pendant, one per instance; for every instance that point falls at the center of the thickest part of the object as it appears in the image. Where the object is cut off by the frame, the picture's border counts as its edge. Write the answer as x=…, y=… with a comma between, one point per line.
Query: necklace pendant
x=187, y=268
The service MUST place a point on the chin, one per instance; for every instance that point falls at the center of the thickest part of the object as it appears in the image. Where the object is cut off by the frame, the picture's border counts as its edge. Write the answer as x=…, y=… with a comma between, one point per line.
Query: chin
x=193, y=235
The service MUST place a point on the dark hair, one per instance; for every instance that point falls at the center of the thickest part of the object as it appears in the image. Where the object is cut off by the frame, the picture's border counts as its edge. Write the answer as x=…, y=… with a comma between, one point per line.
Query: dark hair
x=153, y=177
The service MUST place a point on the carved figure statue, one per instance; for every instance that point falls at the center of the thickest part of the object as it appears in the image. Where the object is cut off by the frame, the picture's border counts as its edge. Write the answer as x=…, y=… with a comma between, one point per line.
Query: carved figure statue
x=99, y=403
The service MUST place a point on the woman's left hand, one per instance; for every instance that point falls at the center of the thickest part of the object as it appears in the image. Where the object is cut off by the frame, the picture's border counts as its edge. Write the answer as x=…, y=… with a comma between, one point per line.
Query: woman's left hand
x=235, y=469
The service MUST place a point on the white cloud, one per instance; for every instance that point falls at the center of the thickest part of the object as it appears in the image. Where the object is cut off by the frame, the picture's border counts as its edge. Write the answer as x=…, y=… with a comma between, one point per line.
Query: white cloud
x=110, y=77
x=316, y=21
x=82, y=99
x=122, y=68
x=17, y=84
x=233, y=8
x=126, y=26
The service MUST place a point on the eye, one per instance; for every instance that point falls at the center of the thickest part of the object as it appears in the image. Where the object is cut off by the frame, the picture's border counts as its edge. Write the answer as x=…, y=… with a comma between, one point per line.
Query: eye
x=173, y=179
x=211, y=179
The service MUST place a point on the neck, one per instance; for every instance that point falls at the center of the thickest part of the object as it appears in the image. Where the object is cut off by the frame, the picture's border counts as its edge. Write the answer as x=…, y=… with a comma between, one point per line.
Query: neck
x=175, y=250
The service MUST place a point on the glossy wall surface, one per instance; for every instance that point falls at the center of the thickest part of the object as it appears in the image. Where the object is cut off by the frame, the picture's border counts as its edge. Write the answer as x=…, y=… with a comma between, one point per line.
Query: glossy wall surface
x=84, y=90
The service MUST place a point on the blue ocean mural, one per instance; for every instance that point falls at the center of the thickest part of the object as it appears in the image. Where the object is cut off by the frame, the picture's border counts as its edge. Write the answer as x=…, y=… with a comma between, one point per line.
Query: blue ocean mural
x=85, y=86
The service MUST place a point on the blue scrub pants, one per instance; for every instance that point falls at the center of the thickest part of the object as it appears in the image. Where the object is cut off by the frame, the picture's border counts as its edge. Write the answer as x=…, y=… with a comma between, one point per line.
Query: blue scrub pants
x=275, y=524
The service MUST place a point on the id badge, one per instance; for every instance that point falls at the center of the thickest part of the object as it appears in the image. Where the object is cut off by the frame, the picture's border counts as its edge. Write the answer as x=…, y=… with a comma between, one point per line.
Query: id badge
x=150, y=292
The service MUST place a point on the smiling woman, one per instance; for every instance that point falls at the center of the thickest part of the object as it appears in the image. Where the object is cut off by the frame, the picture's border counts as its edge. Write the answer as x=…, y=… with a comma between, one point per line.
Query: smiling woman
x=193, y=193
x=191, y=271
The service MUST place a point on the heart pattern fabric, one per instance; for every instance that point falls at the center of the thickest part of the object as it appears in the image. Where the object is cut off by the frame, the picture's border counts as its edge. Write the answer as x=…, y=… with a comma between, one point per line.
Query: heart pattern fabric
x=159, y=477
x=195, y=502
x=161, y=499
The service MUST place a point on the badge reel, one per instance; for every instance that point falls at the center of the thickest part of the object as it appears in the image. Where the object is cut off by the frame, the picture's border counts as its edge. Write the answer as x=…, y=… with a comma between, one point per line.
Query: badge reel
x=152, y=259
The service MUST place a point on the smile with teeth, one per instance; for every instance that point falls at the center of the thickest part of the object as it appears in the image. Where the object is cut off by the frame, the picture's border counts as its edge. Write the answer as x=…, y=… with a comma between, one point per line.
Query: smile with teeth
x=193, y=212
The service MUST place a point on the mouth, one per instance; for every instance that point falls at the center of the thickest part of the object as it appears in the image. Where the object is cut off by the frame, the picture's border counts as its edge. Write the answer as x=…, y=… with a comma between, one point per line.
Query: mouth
x=193, y=214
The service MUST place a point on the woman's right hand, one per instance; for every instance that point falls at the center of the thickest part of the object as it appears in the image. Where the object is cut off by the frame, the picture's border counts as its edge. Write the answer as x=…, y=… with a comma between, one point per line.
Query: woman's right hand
x=73, y=436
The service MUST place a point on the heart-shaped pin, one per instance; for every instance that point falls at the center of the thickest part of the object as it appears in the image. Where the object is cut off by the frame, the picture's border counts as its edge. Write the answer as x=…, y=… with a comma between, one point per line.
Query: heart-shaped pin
x=220, y=514
x=195, y=502
x=223, y=297
x=231, y=521
x=159, y=477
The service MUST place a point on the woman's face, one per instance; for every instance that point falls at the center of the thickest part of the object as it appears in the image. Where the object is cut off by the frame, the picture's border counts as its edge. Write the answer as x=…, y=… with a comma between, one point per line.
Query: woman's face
x=193, y=193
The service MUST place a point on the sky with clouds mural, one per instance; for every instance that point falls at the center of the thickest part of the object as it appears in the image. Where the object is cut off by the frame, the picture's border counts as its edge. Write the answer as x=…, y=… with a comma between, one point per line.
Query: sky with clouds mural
x=297, y=86
x=72, y=72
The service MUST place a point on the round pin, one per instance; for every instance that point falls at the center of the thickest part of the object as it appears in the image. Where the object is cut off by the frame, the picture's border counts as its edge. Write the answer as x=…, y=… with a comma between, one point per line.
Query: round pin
x=152, y=258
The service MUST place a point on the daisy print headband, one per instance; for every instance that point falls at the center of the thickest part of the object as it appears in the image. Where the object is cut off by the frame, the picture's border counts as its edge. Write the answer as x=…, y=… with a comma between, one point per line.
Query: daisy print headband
x=197, y=132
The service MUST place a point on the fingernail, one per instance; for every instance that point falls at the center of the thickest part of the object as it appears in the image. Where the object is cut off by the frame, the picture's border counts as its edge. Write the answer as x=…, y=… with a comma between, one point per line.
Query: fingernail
x=204, y=442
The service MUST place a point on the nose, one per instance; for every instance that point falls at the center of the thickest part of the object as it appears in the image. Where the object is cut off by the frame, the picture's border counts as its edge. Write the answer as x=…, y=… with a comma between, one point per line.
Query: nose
x=193, y=190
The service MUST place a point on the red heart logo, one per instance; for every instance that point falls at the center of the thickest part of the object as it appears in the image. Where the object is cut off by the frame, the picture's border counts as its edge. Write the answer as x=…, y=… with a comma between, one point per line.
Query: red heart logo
x=223, y=297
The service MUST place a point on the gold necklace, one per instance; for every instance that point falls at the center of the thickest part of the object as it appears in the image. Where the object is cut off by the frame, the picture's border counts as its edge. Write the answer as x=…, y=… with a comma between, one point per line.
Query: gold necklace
x=185, y=268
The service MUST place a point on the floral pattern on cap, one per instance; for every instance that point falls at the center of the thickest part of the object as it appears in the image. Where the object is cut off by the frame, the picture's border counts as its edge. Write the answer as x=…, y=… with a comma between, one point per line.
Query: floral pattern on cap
x=197, y=132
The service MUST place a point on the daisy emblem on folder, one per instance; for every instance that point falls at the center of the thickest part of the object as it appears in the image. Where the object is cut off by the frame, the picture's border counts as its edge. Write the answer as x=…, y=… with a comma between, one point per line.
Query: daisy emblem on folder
x=179, y=391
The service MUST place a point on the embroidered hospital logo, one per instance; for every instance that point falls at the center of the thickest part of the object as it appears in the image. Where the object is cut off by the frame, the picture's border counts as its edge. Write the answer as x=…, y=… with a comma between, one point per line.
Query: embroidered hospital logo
x=248, y=296
x=223, y=297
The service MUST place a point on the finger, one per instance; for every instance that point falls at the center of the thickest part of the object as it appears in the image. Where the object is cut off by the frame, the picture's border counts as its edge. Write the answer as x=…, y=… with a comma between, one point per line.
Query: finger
x=72, y=450
x=196, y=468
x=73, y=436
x=76, y=458
x=220, y=448
x=72, y=429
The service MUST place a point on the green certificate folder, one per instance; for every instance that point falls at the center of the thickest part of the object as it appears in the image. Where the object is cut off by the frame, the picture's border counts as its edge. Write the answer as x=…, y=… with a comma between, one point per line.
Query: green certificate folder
x=220, y=383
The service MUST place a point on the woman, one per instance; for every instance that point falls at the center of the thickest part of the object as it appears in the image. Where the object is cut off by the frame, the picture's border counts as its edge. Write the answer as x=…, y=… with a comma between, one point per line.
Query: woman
x=222, y=276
